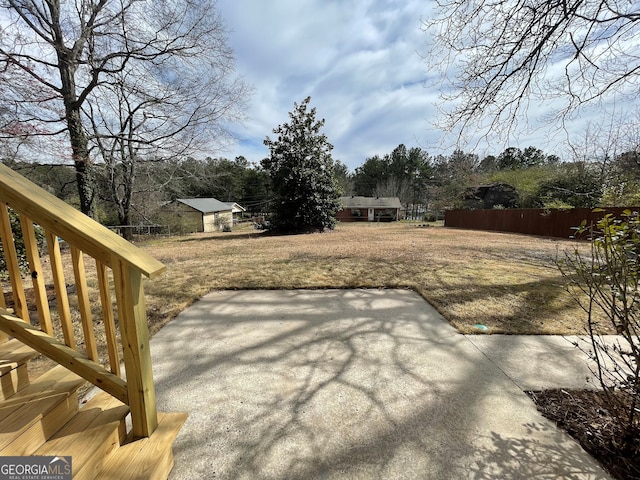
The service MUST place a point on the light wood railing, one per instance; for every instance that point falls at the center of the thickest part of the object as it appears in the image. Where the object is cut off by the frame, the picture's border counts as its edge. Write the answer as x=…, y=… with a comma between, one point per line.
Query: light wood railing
x=55, y=331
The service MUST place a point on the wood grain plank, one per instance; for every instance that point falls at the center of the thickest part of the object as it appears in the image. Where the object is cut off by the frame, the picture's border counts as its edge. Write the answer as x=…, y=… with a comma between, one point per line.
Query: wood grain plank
x=136, y=352
x=107, y=318
x=35, y=413
x=11, y=258
x=60, y=287
x=91, y=436
x=84, y=305
x=148, y=457
x=37, y=275
x=65, y=356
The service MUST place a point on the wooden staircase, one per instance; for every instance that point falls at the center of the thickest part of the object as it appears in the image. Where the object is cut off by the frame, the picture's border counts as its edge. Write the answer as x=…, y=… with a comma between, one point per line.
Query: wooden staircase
x=44, y=417
x=95, y=332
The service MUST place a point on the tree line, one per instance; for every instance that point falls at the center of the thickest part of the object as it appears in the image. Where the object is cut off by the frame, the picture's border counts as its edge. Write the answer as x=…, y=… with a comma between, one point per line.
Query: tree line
x=528, y=178
x=426, y=184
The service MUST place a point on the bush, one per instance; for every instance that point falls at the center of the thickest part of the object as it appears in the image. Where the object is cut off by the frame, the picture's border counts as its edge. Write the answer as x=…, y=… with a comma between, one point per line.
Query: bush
x=609, y=278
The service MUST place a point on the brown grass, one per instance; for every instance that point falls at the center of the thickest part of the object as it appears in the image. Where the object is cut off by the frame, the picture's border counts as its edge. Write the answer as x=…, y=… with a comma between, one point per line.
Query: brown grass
x=509, y=283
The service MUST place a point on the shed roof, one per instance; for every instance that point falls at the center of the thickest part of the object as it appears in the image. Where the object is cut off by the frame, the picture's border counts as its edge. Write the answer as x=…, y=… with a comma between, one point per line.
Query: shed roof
x=236, y=207
x=206, y=205
x=371, y=202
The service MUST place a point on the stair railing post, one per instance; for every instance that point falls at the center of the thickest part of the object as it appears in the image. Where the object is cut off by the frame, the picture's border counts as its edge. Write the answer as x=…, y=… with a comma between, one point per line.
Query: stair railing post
x=134, y=332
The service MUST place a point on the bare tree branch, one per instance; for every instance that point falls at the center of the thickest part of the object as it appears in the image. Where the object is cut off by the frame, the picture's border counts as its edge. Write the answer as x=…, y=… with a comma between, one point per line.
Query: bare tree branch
x=59, y=58
x=497, y=56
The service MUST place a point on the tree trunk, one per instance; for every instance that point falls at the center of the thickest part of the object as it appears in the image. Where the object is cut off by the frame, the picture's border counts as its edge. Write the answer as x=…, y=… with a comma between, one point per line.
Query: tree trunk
x=80, y=153
x=123, y=202
x=84, y=169
x=77, y=137
x=86, y=187
x=124, y=217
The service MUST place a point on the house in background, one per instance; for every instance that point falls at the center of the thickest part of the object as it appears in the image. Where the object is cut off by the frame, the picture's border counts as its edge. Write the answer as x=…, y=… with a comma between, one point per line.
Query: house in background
x=490, y=196
x=370, y=209
x=200, y=214
x=236, y=210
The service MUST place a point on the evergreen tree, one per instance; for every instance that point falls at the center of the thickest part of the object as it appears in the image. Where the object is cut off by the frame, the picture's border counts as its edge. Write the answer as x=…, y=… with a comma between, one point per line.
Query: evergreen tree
x=306, y=196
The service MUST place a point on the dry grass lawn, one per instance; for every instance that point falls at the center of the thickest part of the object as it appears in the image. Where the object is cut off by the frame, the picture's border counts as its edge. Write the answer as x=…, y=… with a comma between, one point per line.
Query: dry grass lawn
x=509, y=283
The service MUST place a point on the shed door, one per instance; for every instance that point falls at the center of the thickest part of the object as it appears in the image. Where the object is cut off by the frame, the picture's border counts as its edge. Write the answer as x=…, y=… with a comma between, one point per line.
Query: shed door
x=371, y=214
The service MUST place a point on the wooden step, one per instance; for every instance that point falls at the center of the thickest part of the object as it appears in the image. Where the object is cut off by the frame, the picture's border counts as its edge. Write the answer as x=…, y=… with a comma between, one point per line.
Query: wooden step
x=35, y=413
x=148, y=458
x=14, y=376
x=91, y=436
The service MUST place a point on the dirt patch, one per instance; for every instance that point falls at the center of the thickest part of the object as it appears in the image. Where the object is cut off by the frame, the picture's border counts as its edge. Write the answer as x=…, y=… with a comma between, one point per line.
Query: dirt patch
x=585, y=415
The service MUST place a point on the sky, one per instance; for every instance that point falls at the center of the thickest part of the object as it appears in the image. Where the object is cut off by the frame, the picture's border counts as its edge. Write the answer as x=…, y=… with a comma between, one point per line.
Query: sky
x=362, y=62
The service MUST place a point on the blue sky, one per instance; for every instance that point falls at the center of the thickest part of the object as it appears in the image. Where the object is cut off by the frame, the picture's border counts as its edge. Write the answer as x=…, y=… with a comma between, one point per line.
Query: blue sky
x=362, y=64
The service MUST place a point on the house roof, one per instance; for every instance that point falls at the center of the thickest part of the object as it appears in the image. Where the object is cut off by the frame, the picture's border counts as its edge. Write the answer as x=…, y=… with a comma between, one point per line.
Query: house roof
x=206, y=205
x=371, y=202
x=236, y=207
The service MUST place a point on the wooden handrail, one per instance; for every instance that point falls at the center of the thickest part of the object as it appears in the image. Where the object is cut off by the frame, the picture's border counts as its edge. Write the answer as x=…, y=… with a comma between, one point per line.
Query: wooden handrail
x=66, y=222
x=65, y=356
x=128, y=264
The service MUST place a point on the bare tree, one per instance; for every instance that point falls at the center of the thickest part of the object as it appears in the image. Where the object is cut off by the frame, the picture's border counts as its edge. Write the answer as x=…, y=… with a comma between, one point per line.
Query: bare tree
x=140, y=116
x=61, y=52
x=500, y=55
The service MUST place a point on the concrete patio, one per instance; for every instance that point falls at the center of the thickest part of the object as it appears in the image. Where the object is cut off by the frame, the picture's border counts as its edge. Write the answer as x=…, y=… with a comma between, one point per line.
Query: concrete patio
x=359, y=384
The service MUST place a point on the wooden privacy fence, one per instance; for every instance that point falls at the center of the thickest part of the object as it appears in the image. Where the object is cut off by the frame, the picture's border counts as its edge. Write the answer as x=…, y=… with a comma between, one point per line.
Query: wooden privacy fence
x=530, y=221
x=119, y=270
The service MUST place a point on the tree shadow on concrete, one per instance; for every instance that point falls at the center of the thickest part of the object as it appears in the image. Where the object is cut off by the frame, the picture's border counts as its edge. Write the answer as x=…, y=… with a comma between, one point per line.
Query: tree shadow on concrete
x=517, y=458
x=345, y=384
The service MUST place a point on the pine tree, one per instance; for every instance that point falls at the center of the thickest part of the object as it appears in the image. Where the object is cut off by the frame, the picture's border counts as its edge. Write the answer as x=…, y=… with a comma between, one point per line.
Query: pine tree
x=306, y=195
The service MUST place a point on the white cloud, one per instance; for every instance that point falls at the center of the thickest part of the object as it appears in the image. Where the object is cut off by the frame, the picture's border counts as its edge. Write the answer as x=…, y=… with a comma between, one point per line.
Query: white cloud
x=361, y=63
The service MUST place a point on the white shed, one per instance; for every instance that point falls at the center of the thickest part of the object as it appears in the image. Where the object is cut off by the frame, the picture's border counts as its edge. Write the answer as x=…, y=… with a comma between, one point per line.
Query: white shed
x=203, y=214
